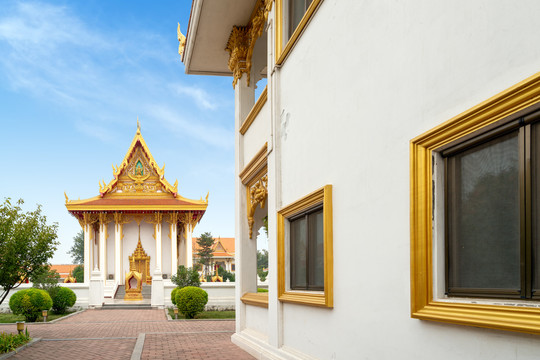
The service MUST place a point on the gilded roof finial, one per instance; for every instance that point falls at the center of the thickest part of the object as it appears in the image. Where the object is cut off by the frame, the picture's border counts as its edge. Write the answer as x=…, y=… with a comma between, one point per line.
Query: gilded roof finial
x=181, y=40
x=138, y=125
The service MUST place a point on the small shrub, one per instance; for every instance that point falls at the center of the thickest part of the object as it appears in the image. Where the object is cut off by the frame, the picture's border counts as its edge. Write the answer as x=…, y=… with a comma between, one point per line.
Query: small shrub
x=173, y=295
x=78, y=273
x=186, y=277
x=10, y=342
x=225, y=274
x=62, y=298
x=191, y=301
x=30, y=303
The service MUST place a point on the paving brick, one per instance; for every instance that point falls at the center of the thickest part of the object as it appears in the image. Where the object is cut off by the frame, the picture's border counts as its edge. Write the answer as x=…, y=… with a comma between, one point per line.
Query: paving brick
x=112, y=334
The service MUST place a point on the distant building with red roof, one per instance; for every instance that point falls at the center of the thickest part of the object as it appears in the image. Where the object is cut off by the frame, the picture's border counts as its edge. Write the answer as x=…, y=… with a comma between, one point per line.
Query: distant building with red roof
x=223, y=253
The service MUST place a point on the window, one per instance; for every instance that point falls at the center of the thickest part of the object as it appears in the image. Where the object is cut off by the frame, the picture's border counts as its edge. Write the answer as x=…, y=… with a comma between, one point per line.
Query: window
x=292, y=17
x=490, y=215
x=489, y=252
x=297, y=9
x=305, y=260
x=307, y=250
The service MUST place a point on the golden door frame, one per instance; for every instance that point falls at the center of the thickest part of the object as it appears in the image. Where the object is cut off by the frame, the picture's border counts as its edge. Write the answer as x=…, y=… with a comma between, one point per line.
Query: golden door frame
x=140, y=261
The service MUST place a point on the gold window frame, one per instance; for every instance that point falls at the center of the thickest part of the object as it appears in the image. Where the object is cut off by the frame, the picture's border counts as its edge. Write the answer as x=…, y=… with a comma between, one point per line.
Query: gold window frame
x=423, y=305
x=316, y=298
x=283, y=51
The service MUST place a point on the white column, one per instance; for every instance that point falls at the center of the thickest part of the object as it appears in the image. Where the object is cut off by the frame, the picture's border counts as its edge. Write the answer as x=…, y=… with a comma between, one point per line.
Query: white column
x=158, y=247
x=189, y=246
x=245, y=248
x=102, y=231
x=158, y=293
x=174, y=250
x=117, y=256
x=87, y=263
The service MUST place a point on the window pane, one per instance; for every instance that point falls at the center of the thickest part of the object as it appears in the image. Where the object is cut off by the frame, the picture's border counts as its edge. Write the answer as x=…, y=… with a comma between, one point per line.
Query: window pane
x=316, y=251
x=535, y=168
x=298, y=253
x=297, y=9
x=484, y=225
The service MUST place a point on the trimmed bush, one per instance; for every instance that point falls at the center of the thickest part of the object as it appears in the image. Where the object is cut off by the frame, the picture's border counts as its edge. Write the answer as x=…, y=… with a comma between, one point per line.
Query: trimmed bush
x=173, y=295
x=62, y=298
x=30, y=303
x=191, y=300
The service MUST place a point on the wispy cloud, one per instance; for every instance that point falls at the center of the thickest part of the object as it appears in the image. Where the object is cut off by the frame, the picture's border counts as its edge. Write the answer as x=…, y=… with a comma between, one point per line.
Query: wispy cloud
x=176, y=123
x=50, y=52
x=202, y=98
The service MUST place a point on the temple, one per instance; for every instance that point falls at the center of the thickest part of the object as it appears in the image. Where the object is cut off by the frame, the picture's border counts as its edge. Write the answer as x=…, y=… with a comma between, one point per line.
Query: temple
x=138, y=223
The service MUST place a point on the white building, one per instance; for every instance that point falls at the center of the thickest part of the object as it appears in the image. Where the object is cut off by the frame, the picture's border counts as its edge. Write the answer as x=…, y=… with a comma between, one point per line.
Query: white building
x=394, y=152
x=138, y=222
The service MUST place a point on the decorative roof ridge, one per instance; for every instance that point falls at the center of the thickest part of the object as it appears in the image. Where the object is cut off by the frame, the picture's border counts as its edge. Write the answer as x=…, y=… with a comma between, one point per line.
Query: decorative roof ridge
x=138, y=138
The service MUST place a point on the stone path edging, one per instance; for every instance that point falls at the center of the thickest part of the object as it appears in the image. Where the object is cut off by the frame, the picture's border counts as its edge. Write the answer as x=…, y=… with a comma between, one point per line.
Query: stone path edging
x=17, y=350
x=138, y=348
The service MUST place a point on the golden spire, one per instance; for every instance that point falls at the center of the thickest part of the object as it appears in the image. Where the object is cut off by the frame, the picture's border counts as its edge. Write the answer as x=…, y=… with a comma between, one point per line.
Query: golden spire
x=138, y=125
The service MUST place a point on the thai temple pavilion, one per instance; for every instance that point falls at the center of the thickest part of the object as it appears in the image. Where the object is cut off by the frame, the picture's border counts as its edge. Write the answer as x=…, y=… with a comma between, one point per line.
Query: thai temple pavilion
x=138, y=222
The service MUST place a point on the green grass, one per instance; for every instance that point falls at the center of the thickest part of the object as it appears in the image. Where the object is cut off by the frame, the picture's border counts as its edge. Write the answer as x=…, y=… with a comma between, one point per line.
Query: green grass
x=11, y=318
x=208, y=315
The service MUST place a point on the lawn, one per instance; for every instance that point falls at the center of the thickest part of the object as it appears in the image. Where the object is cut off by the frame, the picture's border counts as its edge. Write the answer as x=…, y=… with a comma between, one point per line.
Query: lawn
x=11, y=318
x=208, y=315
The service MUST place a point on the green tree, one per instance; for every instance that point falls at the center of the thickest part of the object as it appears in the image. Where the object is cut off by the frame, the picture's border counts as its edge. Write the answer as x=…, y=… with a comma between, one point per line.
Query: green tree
x=262, y=259
x=205, y=253
x=186, y=277
x=45, y=279
x=26, y=244
x=78, y=273
x=77, y=250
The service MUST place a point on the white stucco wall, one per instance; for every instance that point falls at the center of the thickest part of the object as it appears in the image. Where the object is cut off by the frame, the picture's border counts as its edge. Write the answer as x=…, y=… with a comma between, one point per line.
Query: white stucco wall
x=411, y=67
x=80, y=290
x=364, y=79
x=255, y=136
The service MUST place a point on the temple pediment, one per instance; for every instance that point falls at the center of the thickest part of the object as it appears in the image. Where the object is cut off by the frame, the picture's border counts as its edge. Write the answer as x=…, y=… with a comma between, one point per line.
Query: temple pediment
x=138, y=184
x=138, y=174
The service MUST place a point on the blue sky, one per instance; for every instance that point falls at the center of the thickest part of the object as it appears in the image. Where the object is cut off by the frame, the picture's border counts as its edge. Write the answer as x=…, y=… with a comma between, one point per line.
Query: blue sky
x=75, y=75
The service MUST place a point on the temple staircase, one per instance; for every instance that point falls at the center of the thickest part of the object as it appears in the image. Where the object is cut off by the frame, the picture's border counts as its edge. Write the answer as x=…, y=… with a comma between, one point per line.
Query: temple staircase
x=118, y=301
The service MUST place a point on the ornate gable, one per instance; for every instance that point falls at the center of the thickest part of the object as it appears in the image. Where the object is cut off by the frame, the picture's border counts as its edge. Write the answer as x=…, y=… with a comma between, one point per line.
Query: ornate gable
x=138, y=174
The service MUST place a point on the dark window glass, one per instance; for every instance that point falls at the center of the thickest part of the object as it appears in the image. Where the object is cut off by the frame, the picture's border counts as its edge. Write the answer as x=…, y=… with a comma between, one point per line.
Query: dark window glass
x=484, y=217
x=307, y=250
x=297, y=9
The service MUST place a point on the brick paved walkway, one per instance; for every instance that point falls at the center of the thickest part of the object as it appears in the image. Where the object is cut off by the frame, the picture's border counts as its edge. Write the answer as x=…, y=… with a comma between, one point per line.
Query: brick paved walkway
x=113, y=334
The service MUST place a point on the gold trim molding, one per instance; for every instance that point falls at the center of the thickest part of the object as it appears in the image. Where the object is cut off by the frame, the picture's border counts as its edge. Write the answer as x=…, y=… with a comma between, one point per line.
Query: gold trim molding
x=255, y=299
x=283, y=52
x=254, y=111
x=243, y=38
x=423, y=306
x=255, y=165
x=316, y=298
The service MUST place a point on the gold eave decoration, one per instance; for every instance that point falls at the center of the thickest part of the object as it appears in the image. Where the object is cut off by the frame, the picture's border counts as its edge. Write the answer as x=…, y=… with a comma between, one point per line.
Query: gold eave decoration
x=243, y=38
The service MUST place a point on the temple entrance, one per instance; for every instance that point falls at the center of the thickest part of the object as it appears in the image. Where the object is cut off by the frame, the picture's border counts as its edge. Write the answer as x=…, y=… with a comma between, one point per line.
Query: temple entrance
x=139, y=261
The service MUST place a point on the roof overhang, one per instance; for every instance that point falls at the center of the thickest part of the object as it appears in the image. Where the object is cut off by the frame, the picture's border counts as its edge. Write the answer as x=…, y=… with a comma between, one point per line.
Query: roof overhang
x=210, y=24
